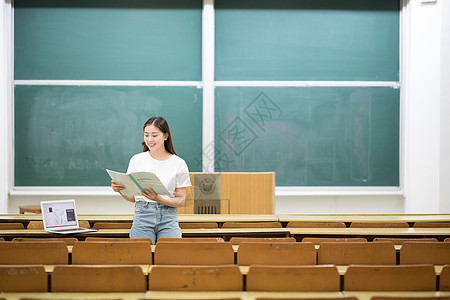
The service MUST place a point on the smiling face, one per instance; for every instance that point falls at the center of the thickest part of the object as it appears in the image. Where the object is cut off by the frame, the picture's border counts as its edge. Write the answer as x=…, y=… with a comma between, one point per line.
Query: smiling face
x=154, y=138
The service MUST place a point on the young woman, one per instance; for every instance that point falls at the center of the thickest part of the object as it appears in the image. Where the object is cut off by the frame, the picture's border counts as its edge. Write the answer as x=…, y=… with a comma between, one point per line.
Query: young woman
x=156, y=215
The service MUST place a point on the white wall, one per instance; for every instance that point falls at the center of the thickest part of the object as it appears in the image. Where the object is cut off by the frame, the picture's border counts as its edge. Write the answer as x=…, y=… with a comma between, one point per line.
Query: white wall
x=426, y=133
x=445, y=107
x=3, y=111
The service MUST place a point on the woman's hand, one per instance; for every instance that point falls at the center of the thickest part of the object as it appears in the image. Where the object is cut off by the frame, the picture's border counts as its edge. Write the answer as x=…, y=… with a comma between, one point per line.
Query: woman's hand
x=117, y=187
x=150, y=194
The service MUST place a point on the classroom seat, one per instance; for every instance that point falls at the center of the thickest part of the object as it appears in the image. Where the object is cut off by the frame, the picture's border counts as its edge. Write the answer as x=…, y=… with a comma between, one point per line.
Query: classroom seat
x=400, y=241
x=25, y=253
x=116, y=239
x=117, y=253
x=293, y=279
x=195, y=278
x=295, y=224
x=276, y=253
x=40, y=224
x=201, y=253
x=191, y=240
x=390, y=278
x=191, y=225
x=237, y=240
x=356, y=253
x=98, y=279
x=431, y=225
x=444, y=279
x=379, y=225
x=12, y=226
x=112, y=225
x=251, y=225
x=319, y=240
x=425, y=253
x=68, y=240
x=15, y=279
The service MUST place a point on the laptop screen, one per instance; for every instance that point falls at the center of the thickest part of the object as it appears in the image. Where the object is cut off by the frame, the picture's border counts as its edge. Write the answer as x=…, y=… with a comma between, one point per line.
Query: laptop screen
x=59, y=214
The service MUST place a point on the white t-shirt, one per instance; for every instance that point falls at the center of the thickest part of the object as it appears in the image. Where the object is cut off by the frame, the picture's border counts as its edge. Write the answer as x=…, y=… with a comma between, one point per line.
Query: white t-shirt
x=172, y=172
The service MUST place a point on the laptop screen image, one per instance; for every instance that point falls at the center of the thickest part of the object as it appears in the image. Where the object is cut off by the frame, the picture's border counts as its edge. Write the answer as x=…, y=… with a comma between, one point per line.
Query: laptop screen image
x=56, y=214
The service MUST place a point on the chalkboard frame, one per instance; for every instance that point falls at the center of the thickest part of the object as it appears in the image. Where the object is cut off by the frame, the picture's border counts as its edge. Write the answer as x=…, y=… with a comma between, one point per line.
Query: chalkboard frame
x=391, y=190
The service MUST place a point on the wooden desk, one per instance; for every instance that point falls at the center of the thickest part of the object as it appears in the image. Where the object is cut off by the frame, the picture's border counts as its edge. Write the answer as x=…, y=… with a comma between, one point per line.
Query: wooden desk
x=370, y=233
x=348, y=218
x=171, y=295
x=35, y=209
x=182, y=218
x=368, y=295
x=343, y=269
x=225, y=233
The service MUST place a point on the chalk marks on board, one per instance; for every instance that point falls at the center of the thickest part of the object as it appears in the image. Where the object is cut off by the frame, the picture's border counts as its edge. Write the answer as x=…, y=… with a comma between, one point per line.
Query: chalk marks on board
x=314, y=136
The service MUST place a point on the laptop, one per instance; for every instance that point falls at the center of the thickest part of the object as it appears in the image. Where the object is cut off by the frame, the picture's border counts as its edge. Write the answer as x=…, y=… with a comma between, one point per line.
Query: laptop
x=60, y=216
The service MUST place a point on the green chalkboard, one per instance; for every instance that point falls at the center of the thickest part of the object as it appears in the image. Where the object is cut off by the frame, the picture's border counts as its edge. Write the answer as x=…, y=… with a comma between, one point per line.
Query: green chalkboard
x=108, y=39
x=310, y=136
x=67, y=136
x=307, y=40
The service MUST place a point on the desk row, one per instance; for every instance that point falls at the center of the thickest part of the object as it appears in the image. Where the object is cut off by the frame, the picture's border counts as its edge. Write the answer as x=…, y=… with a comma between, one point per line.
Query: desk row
x=227, y=233
x=37, y=224
x=208, y=253
x=326, y=278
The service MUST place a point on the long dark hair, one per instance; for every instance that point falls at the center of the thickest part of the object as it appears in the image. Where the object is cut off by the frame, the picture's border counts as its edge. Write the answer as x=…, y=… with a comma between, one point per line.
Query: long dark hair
x=161, y=124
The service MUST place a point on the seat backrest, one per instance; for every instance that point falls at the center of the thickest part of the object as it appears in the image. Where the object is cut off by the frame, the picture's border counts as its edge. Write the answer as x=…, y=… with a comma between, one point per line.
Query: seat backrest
x=381, y=253
x=194, y=253
x=436, y=253
x=444, y=279
x=238, y=240
x=112, y=225
x=191, y=240
x=35, y=252
x=23, y=279
x=188, y=225
x=295, y=224
x=195, y=278
x=98, y=279
x=390, y=278
x=319, y=240
x=400, y=241
x=293, y=279
x=40, y=224
x=379, y=225
x=431, y=225
x=251, y=225
x=276, y=253
x=68, y=240
x=117, y=239
x=107, y=253
x=12, y=226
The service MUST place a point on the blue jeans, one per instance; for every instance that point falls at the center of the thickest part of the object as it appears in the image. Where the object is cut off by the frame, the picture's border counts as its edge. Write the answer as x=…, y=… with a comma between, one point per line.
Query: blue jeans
x=154, y=220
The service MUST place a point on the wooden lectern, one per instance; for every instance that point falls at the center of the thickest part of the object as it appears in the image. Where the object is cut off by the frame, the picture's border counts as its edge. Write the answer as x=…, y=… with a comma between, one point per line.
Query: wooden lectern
x=240, y=193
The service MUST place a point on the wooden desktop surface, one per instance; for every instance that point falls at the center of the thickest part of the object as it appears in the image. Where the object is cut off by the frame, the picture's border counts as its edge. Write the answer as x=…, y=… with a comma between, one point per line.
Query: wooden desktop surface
x=253, y=217
x=129, y=217
x=198, y=232
x=172, y=295
x=364, y=217
x=369, y=295
x=216, y=295
x=371, y=232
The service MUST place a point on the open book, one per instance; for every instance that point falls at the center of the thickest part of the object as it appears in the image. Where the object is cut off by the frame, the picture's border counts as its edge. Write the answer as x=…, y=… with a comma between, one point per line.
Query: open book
x=135, y=183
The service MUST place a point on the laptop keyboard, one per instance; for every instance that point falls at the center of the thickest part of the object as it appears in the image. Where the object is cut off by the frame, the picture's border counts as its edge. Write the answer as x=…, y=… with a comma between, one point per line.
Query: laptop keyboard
x=69, y=229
